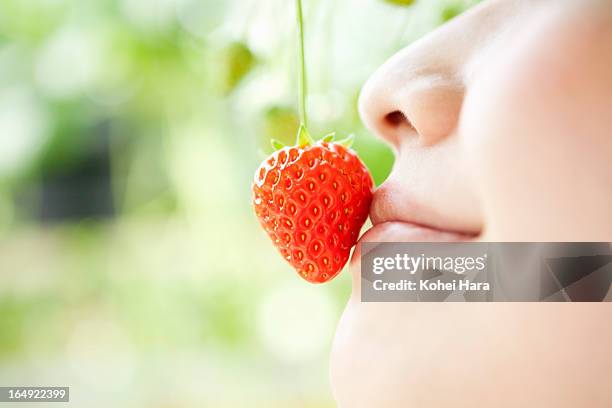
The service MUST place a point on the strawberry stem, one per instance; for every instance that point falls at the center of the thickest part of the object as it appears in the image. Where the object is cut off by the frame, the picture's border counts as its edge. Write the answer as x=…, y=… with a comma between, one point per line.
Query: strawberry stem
x=302, y=64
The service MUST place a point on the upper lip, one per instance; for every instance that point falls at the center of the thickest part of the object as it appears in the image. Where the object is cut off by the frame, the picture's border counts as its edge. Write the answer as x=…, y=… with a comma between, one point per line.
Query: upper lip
x=387, y=208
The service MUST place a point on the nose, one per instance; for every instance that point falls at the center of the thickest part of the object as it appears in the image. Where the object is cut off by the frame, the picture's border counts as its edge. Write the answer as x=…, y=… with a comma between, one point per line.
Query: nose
x=418, y=93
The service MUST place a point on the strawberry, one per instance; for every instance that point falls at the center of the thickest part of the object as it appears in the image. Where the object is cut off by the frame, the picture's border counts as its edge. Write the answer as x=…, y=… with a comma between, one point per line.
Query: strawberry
x=312, y=199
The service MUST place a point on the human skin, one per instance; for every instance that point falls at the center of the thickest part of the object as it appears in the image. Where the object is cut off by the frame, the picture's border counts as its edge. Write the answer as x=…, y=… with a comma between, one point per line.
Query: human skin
x=505, y=134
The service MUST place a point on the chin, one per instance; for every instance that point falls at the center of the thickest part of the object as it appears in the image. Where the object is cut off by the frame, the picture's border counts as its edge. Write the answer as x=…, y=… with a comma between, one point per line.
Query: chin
x=471, y=354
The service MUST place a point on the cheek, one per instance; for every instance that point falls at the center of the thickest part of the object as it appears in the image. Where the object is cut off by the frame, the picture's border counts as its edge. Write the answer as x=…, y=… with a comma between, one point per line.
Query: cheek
x=532, y=152
x=500, y=154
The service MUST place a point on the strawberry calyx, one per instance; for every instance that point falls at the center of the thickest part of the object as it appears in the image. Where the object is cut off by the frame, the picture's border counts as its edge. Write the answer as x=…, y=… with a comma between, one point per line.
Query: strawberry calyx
x=304, y=139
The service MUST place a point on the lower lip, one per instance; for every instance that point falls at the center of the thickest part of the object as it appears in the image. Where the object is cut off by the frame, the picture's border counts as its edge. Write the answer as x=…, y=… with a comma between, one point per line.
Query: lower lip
x=396, y=231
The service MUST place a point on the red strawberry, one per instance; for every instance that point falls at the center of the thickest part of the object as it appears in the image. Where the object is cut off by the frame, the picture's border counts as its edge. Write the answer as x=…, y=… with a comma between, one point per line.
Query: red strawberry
x=312, y=199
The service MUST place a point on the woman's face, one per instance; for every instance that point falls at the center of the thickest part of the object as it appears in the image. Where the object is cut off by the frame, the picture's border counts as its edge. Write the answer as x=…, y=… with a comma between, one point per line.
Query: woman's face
x=502, y=124
x=501, y=121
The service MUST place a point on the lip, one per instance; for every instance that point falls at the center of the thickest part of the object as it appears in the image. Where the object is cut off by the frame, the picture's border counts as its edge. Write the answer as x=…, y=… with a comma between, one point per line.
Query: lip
x=402, y=231
x=394, y=224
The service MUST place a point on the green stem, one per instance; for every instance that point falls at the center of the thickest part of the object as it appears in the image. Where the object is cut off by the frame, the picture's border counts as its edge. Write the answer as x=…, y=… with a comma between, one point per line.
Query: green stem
x=302, y=64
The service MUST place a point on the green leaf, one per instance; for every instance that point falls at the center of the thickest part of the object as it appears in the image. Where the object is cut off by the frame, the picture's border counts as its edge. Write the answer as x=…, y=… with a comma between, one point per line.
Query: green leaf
x=347, y=141
x=404, y=3
x=451, y=11
x=237, y=60
x=276, y=144
x=303, y=137
x=329, y=138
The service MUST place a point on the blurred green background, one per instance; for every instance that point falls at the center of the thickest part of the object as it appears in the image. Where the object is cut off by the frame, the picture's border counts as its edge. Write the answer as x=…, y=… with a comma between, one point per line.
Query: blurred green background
x=131, y=265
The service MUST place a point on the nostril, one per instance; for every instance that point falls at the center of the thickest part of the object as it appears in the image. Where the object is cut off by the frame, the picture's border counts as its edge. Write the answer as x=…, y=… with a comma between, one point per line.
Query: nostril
x=397, y=119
